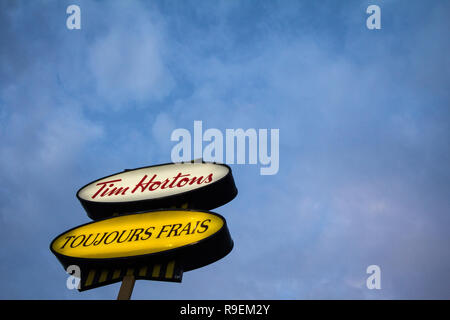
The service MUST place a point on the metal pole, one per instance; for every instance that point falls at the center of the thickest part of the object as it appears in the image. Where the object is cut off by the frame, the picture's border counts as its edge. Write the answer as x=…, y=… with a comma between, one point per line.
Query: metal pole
x=126, y=289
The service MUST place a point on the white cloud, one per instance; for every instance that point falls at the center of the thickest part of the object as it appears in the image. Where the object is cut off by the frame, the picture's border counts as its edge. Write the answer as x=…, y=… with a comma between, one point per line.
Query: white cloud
x=128, y=62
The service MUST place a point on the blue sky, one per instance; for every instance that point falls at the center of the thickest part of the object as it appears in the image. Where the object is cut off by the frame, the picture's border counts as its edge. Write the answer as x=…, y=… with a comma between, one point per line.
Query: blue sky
x=364, y=137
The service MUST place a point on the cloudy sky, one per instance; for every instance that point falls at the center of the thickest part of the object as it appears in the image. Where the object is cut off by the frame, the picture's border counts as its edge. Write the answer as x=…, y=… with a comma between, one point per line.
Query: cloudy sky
x=363, y=115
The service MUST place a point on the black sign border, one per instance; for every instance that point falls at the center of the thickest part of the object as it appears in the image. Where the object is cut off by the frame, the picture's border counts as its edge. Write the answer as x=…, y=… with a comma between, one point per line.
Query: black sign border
x=206, y=197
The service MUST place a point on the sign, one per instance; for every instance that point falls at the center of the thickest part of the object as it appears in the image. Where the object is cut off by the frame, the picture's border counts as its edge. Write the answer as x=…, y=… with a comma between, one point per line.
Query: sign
x=158, y=245
x=202, y=186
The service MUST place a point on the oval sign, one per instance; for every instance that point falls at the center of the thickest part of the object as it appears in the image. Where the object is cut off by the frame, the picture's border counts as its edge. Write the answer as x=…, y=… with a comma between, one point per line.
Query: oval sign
x=192, y=238
x=189, y=185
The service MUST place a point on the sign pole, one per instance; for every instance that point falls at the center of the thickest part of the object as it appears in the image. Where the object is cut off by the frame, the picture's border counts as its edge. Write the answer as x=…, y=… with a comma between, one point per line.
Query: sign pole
x=127, y=286
x=126, y=289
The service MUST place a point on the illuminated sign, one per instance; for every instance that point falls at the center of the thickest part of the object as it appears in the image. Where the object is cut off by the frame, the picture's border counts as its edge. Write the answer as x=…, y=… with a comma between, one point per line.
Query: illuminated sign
x=189, y=185
x=158, y=245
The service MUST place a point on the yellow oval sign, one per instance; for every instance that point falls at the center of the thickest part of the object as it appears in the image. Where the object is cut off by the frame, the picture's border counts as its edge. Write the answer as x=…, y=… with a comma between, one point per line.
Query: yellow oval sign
x=137, y=234
x=155, y=245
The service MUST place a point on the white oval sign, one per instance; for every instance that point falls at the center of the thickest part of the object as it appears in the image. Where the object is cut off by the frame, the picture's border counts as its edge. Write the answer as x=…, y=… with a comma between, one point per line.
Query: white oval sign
x=158, y=187
x=152, y=182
